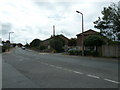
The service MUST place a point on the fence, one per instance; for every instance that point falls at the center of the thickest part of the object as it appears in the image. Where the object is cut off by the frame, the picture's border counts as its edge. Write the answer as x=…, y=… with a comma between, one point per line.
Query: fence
x=110, y=50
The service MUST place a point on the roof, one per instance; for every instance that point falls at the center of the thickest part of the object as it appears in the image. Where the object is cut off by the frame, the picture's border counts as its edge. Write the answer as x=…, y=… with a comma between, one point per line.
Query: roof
x=88, y=32
x=61, y=35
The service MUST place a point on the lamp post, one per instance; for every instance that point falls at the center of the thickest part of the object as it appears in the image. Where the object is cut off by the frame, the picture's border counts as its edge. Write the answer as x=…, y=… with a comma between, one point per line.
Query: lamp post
x=82, y=34
x=9, y=35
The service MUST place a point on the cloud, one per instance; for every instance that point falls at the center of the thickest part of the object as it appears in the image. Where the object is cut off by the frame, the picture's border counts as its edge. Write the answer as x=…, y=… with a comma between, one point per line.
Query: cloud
x=30, y=19
x=4, y=29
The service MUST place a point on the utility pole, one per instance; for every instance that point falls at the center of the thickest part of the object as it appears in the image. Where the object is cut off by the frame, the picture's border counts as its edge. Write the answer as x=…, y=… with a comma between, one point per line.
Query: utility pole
x=82, y=34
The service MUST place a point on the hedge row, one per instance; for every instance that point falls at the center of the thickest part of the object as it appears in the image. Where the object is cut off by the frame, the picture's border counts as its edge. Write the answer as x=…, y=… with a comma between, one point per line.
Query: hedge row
x=86, y=53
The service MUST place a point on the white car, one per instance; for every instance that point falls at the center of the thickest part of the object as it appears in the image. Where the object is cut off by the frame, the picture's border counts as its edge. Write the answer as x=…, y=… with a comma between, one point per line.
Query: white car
x=23, y=48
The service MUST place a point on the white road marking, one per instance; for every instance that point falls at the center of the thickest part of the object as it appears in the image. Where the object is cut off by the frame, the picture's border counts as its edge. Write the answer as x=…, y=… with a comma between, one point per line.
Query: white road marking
x=43, y=53
x=112, y=81
x=77, y=72
x=52, y=65
x=93, y=76
x=58, y=67
x=72, y=71
x=67, y=69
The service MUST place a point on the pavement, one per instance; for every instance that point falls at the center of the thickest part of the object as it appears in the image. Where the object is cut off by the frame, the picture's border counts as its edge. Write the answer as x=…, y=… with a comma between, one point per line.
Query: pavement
x=28, y=69
x=0, y=71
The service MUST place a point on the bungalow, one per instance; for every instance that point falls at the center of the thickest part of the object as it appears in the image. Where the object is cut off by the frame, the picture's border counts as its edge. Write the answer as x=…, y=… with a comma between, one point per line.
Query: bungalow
x=46, y=42
x=85, y=34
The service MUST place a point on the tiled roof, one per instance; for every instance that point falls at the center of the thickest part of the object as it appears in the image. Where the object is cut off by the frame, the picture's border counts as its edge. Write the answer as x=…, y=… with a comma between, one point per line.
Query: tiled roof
x=88, y=32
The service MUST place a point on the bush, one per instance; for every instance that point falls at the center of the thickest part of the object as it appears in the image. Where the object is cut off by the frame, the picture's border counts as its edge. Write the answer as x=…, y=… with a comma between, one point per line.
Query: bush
x=95, y=53
x=86, y=53
x=42, y=47
x=3, y=49
x=57, y=44
x=75, y=52
x=91, y=53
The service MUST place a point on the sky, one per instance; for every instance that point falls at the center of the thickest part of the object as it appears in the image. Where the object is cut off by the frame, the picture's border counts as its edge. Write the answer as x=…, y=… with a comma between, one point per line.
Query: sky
x=31, y=19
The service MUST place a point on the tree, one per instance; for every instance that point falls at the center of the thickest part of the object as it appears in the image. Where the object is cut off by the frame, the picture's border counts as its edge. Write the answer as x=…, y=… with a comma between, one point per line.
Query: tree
x=118, y=36
x=6, y=46
x=57, y=43
x=27, y=45
x=93, y=40
x=3, y=42
x=72, y=42
x=42, y=47
x=109, y=23
x=35, y=43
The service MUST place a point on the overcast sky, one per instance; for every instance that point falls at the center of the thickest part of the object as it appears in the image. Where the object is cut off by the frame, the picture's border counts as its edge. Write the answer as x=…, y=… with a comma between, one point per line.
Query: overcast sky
x=30, y=19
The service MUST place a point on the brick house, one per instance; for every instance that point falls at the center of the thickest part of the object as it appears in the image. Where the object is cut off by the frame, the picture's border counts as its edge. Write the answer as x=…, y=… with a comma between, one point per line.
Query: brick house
x=86, y=33
x=46, y=42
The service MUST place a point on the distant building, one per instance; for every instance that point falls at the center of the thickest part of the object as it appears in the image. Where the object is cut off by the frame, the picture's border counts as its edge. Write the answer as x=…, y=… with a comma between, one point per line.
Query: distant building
x=19, y=45
x=86, y=33
x=46, y=42
x=64, y=38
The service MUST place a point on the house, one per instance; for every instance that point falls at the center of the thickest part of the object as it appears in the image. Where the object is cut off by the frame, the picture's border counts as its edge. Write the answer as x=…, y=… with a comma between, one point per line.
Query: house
x=47, y=44
x=64, y=38
x=19, y=44
x=85, y=34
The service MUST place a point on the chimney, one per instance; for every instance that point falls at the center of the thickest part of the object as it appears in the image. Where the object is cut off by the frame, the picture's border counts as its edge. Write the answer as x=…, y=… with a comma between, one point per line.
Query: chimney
x=53, y=30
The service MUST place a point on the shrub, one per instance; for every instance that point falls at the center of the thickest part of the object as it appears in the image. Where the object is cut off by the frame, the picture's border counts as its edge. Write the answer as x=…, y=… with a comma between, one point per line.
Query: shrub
x=42, y=47
x=75, y=52
x=57, y=44
x=91, y=53
x=95, y=53
x=3, y=49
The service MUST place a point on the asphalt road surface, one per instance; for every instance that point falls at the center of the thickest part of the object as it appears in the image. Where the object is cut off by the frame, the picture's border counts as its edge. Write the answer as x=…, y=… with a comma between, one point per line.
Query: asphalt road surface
x=30, y=69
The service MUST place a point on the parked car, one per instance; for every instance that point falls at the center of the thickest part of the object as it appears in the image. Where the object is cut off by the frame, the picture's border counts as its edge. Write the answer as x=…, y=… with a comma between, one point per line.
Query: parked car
x=23, y=48
x=72, y=49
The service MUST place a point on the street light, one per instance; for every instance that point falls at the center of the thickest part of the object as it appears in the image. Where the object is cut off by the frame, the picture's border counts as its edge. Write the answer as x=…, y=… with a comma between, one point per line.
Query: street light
x=9, y=35
x=82, y=34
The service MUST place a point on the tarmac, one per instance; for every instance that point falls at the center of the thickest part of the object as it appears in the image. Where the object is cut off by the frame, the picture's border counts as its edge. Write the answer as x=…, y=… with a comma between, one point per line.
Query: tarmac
x=15, y=77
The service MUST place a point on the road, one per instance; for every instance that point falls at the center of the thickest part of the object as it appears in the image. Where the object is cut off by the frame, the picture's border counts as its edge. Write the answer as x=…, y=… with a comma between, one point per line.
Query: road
x=30, y=69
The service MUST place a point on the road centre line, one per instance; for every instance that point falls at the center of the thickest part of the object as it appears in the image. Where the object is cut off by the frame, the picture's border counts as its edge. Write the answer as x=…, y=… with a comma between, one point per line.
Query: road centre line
x=89, y=75
x=52, y=65
x=58, y=67
x=112, y=81
x=43, y=53
x=77, y=72
x=93, y=76
x=67, y=69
